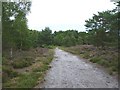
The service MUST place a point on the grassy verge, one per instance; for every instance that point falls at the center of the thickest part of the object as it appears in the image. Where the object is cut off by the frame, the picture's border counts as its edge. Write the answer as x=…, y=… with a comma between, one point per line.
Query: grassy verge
x=105, y=57
x=31, y=78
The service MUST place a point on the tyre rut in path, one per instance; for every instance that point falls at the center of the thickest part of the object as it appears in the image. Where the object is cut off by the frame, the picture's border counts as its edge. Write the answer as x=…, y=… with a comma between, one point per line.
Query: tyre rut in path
x=69, y=71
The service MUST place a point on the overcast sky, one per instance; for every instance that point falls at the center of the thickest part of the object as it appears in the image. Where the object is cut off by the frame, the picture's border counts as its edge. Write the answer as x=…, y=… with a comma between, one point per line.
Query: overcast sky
x=64, y=14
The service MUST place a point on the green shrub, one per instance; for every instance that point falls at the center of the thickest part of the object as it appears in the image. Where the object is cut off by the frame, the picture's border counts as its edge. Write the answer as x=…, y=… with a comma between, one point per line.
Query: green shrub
x=104, y=63
x=86, y=55
x=114, y=68
x=95, y=59
x=101, y=62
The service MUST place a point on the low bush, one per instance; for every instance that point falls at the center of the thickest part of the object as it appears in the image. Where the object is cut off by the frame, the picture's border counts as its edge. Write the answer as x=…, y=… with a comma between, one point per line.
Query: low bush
x=86, y=55
x=95, y=59
x=114, y=68
x=22, y=63
x=104, y=63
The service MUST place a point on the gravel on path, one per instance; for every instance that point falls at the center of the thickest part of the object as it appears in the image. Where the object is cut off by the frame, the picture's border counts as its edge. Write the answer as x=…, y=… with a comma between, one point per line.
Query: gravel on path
x=69, y=71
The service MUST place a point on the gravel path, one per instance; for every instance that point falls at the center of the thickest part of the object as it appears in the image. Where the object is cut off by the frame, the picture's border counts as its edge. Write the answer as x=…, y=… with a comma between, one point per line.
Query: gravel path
x=68, y=71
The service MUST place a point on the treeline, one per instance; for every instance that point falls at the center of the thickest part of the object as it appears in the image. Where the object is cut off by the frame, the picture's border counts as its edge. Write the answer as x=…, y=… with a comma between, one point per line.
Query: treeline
x=17, y=36
x=102, y=30
x=69, y=38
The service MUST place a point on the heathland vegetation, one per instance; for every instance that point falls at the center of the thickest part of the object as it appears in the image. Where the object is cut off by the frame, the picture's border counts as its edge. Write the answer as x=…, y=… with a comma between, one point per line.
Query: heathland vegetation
x=26, y=53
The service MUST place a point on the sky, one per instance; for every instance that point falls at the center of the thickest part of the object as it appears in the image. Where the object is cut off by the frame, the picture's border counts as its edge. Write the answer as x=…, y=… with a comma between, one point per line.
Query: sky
x=64, y=14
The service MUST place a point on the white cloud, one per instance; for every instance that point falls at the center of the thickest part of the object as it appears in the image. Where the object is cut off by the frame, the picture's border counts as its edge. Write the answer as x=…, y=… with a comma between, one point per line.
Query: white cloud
x=68, y=13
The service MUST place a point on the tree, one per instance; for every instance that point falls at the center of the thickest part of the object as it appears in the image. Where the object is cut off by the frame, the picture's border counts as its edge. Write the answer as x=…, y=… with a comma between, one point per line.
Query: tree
x=14, y=24
x=45, y=37
x=82, y=39
x=103, y=28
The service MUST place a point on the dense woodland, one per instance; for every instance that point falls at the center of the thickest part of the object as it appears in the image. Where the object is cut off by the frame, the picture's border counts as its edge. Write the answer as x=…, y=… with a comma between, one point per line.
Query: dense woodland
x=102, y=30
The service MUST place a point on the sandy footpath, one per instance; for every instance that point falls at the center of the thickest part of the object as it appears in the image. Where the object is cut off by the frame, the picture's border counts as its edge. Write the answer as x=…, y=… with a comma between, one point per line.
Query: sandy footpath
x=69, y=71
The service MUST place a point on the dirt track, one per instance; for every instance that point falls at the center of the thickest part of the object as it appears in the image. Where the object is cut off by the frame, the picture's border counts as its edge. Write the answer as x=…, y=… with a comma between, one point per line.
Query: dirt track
x=68, y=71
